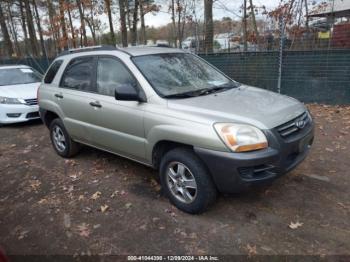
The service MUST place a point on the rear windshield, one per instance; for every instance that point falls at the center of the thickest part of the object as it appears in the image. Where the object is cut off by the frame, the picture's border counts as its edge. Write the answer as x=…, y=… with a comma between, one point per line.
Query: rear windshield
x=17, y=76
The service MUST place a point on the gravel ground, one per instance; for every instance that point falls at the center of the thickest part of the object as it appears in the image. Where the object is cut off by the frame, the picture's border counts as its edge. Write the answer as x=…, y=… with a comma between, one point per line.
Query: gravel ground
x=98, y=203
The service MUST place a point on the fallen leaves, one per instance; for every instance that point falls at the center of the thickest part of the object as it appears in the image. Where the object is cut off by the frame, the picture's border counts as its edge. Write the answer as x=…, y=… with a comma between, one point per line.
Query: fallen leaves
x=104, y=208
x=96, y=195
x=295, y=225
x=84, y=230
x=34, y=184
x=251, y=250
x=128, y=205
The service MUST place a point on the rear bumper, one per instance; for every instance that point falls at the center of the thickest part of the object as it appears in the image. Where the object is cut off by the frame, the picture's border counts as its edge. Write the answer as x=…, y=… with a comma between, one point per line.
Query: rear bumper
x=234, y=172
x=18, y=113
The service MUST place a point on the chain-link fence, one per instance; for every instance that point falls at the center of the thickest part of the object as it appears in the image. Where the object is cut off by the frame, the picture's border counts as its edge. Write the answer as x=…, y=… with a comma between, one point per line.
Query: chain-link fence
x=306, y=56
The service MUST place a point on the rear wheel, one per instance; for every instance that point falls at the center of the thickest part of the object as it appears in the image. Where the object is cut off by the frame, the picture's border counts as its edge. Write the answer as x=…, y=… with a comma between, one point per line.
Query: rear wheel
x=61, y=141
x=186, y=181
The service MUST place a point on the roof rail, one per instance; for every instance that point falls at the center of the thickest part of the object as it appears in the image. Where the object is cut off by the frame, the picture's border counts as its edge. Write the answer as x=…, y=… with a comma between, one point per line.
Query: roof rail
x=88, y=48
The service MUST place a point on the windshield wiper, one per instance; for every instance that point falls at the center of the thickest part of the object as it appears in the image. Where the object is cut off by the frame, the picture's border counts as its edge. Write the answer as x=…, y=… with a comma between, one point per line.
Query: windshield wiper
x=181, y=95
x=215, y=89
x=204, y=91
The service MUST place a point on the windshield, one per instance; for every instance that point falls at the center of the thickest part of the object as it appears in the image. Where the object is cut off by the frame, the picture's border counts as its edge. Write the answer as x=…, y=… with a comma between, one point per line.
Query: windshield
x=17, y=76
x=181, y=75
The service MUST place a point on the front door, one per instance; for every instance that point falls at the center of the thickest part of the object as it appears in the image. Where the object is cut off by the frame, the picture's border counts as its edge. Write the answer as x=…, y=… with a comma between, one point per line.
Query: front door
x=117, y=126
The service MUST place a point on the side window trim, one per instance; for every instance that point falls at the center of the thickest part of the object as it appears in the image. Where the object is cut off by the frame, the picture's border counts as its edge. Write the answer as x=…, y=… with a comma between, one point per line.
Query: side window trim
x=93, y=73
x=138, y=86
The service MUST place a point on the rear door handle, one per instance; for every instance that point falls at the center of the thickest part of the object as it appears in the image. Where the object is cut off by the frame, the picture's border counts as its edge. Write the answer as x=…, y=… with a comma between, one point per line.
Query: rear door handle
x=59, y=96
x=95, y=104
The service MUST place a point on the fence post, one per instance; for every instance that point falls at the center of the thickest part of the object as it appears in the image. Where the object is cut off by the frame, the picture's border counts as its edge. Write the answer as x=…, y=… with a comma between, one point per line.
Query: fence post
x=281, y=27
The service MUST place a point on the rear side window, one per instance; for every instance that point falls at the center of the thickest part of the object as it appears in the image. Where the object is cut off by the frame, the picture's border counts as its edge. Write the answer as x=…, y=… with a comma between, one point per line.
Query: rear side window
x=51, y=73
x=78, y=74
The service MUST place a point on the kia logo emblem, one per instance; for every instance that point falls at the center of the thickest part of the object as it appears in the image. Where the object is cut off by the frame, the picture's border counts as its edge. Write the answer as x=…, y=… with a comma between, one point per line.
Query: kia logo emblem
x=300, y=124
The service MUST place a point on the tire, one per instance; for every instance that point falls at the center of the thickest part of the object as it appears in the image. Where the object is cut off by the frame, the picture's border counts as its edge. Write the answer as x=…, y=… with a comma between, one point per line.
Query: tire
x=67, y=148
x=187, y=166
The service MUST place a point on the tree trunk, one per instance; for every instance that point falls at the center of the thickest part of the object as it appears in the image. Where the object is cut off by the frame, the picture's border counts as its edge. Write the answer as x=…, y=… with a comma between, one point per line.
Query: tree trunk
x=13, y=29
x=53, y=26
x=24, y=27
x=82, y=22
x=209, y=29
x=63, y=25
x=110, y=20
x=123, y=29
x=5, y=34
x=179, y=12
x=71, y=25
x=42, y=43
x=306, y=15
x=245, y=26
x=128, y=13
x=254, y=21
x=173, y=22
x=31, y=29
x=143, y=27
x=134, y=24
x=92, y=30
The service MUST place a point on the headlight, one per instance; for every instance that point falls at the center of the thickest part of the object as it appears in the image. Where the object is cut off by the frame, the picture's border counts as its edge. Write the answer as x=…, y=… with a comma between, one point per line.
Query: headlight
x=241, y=138
x=8, y=100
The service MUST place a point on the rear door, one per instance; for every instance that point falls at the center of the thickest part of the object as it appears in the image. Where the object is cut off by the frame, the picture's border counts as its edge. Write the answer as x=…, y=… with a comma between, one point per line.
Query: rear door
x=76, y=93
x=117, y=126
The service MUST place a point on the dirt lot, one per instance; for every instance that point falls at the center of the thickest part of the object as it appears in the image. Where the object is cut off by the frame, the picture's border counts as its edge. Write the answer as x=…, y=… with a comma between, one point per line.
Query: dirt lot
x=99, y=203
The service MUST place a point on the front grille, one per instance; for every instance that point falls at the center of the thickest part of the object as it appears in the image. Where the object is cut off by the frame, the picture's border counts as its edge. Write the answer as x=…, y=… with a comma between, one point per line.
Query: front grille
x=293, y=126
x=31, y=102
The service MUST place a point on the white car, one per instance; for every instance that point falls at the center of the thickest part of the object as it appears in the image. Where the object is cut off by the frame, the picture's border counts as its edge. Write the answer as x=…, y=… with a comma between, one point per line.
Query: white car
x=18, y=93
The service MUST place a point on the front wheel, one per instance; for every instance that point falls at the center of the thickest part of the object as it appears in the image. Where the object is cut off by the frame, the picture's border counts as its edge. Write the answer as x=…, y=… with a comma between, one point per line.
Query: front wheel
x=186, y=181
x=61, y=141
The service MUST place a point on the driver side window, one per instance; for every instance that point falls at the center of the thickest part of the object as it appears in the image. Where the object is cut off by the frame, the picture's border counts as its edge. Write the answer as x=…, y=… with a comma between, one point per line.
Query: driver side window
x=110, y=74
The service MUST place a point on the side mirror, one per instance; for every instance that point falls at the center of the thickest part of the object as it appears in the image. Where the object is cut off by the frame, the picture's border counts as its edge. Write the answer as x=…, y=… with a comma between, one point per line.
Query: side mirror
x=127, y=92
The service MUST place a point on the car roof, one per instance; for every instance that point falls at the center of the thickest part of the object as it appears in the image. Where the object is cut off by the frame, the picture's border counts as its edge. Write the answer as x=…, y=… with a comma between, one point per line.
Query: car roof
x=13, y=66
x=149, y=50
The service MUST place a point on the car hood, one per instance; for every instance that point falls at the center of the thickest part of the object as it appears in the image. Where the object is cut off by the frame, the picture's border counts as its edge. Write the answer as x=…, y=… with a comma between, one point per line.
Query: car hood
x=24, y=91
x=245, y=104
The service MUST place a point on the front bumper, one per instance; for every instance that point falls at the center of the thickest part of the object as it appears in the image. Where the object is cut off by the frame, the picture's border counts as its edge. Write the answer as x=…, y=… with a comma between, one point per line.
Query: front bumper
x=18, y=113
x=234, y=172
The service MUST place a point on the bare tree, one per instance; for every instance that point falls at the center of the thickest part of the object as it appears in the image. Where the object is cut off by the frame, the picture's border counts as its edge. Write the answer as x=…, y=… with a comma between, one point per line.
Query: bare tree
x=5, y=33
x=24, y=26
x=82, y=23
x=134, y=22
x=42, y=43
x=31, y=29
x=69, y=11
x=252, y=11
x=13, y=28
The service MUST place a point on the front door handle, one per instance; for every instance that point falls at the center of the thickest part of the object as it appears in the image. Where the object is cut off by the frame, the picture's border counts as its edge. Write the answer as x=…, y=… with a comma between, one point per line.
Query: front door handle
x=59, y=96
x=95, y=104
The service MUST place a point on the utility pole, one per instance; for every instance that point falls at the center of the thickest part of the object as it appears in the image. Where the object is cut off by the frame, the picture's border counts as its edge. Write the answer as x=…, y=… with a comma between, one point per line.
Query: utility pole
x=281, y=27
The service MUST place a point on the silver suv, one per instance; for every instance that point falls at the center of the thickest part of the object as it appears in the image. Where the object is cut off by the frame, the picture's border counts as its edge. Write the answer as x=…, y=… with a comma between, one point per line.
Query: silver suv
x=173, y=111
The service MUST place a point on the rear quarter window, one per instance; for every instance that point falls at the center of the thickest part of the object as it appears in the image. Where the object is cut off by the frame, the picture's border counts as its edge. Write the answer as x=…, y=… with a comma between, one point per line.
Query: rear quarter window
x=51, y=73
